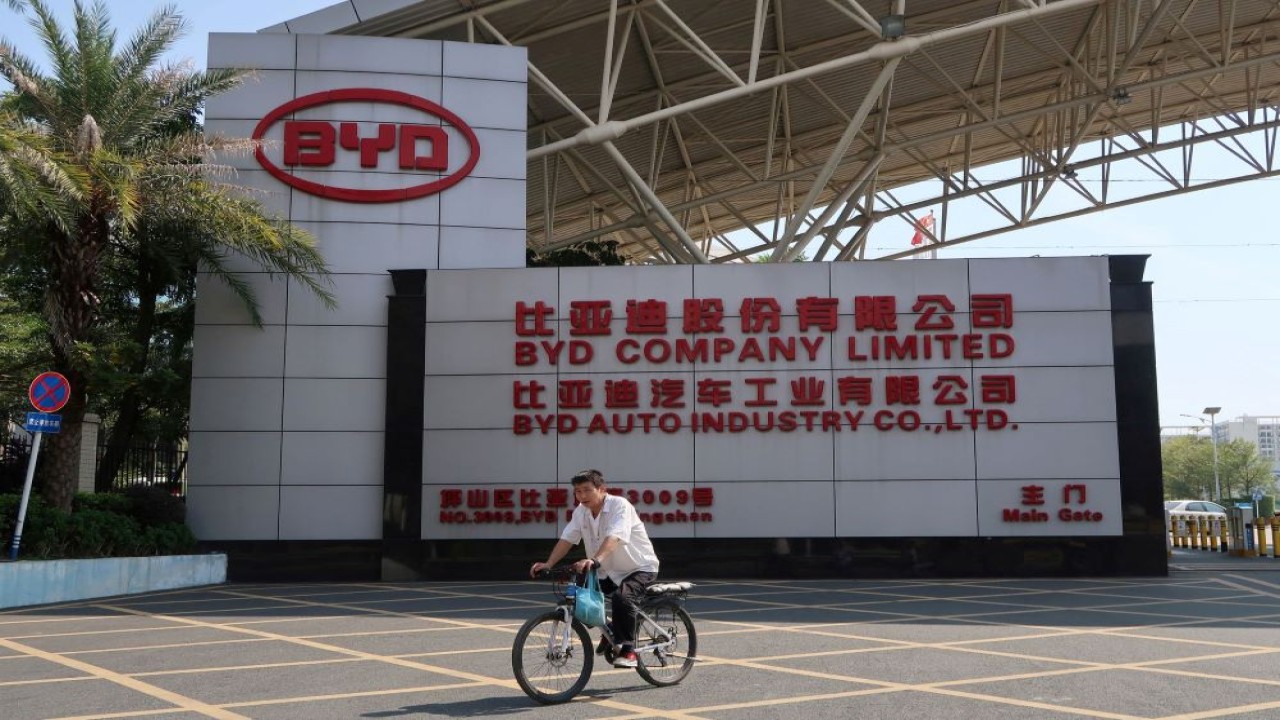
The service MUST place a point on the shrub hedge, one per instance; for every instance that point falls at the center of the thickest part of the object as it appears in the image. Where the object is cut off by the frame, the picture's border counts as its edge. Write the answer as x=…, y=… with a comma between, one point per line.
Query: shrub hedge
x=144, y=521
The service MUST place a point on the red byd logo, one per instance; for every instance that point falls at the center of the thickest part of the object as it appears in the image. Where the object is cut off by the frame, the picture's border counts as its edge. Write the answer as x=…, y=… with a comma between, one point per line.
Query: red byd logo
x=315, y=144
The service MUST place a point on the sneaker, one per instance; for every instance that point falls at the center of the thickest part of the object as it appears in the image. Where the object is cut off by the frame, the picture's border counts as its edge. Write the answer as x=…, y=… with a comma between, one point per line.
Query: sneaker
x=626, y=659
x=603, y=646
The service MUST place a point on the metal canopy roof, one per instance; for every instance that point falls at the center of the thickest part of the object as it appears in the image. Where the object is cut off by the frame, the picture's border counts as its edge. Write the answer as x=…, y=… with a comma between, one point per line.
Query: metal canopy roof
x=669, y=124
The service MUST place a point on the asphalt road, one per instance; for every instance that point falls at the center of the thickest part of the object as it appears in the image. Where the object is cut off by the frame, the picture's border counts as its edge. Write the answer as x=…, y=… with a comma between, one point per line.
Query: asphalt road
x=1202, y=643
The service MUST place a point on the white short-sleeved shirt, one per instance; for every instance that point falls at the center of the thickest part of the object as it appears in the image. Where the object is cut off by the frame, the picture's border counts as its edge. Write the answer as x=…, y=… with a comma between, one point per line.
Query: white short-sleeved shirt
x=618, y=518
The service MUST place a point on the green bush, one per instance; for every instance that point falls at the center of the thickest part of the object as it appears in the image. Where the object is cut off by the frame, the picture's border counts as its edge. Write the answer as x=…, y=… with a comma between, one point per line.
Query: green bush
x=97, y=533
x=109, y=502
x=44, y=534
x=168, y=539
x=103, y=525
x=154, y=505
x=1267, y=506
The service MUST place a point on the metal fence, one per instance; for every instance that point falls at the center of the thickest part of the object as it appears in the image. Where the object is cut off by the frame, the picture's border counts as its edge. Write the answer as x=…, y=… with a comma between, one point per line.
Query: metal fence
x=150, y=465
x=14, y=452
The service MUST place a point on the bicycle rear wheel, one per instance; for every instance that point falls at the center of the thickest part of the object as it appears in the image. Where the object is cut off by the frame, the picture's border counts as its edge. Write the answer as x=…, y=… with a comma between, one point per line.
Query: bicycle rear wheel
x=674, y=644
x=552, y=665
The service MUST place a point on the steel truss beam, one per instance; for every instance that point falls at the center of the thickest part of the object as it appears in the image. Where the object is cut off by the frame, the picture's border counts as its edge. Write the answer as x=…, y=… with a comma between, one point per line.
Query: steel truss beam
x=727, y=130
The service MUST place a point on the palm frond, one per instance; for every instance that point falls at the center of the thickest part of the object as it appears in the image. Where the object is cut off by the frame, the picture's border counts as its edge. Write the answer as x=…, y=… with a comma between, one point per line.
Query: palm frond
x=216, y=267
x=34, y=180
x=46, y=27
x=148, y=44
x=95, y=46
x=116, y=178
x=33, y=95
x=272, y=244
x=186, y=92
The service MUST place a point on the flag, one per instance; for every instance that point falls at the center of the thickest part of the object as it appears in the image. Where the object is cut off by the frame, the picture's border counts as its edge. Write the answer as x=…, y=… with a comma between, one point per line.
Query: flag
x=923, y=224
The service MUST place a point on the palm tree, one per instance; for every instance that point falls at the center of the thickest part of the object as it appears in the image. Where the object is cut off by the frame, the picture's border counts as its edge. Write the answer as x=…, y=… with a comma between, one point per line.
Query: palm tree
x=31, y=180
x=115, y=149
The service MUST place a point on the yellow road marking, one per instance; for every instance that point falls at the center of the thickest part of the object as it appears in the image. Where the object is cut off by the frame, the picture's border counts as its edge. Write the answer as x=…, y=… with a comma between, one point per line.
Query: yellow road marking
x=1223, y=712
x=100, y=632
x=170, y=646
x=378, y=611
x=11, y=683
x=1250, y=588
x=947, y=688
x=1035, y=705
x=260, y=666
x=371, y=633
x=344, y=696
x=234, y=641
x=80, y=603
x=940, y=688
x=401, y=662
x=180, y=701
x=26, y=620
x=112, y=716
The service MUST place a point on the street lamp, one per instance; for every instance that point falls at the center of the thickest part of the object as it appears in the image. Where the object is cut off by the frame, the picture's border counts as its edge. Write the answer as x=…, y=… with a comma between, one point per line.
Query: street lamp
x=1213, y=440
x=1213, y=437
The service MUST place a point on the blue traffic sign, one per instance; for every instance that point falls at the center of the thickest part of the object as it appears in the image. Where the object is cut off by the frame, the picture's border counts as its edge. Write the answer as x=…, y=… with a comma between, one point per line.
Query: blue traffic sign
x=49, y=392
x=43, y=423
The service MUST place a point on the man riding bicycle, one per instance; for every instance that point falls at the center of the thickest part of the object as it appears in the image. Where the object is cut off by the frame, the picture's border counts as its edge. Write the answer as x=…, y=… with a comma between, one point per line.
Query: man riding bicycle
x=618, y=545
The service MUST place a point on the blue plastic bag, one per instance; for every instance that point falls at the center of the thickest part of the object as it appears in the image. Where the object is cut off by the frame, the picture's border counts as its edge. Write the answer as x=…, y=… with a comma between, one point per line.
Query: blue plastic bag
x=589, y=607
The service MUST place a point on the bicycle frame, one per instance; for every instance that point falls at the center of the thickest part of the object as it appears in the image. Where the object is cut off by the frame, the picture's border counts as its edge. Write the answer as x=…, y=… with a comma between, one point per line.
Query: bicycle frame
x=565, y=641
x=554, y=665
x=644, y=620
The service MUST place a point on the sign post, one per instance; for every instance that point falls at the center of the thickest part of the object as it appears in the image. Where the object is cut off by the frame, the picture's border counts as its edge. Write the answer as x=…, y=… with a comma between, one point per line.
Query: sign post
x=48, y=393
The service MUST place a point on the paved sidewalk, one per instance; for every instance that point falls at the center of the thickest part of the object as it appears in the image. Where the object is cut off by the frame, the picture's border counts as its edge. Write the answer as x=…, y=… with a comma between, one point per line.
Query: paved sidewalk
x=1202, y=643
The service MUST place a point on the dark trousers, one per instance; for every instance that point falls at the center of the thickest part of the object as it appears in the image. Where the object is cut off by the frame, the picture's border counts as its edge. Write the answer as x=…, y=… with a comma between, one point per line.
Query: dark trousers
x=625, y=597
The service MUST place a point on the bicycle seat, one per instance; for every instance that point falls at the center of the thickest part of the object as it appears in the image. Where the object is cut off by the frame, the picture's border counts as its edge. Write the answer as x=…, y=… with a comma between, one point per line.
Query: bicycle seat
x=668, y=587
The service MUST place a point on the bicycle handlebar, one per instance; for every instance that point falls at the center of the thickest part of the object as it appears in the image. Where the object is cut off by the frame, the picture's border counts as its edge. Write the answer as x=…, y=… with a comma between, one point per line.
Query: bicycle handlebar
x=560, y=572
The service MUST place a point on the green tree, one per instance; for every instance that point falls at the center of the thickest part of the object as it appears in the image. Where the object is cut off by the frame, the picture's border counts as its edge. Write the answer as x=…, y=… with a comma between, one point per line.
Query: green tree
x=23, y=353
x=1241, y=469
x=1188, y=468
x=590, y=253
x=33, y=180
x=119, y=164
x=765, y=259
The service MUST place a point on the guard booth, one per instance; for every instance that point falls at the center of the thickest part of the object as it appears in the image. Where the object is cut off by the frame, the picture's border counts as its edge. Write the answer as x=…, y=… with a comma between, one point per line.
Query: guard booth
x=1240, y=521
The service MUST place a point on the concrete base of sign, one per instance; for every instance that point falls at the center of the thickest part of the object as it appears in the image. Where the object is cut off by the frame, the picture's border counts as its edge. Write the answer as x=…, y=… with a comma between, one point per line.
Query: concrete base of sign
x=40, y=582
x=1138, y=554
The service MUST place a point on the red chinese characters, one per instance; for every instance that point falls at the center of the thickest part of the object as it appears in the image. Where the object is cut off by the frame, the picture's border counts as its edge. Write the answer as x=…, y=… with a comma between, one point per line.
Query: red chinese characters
x=703, y=315
x=681, y=368
x=590, y=317
x=523, y=506
x=1038, y=508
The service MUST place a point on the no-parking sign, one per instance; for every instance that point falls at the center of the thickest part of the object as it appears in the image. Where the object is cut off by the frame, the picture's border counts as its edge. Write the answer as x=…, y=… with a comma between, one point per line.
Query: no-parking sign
x=49, y=392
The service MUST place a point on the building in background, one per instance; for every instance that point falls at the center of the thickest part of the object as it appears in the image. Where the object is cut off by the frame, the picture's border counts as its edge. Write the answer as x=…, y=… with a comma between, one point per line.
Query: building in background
x=1261, y=430
x=1169, y=432
x=960, y=417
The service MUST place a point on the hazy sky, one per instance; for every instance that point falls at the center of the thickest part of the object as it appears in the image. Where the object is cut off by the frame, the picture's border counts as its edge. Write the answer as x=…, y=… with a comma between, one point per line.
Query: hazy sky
x=1213, y=253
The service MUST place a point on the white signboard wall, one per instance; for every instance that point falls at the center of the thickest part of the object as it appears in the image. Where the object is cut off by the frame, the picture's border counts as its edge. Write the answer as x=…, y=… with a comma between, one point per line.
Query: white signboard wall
x=393, y=153
x=964, y=398
x=915, y=399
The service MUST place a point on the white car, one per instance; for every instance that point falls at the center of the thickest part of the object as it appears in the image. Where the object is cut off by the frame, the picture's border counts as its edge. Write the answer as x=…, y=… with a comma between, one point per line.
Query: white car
x=1202, y=508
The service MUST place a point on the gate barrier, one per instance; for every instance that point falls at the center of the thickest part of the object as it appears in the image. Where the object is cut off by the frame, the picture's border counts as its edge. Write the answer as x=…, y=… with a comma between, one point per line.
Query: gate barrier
x=1259, y=538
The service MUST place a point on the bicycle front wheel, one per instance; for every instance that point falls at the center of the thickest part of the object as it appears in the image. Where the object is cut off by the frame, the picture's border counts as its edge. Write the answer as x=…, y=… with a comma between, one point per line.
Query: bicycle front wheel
x=667, y=646
x=552, y=661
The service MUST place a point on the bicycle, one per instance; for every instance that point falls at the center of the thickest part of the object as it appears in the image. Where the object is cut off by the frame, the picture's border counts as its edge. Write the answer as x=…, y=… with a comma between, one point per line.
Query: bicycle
x=552, y=656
